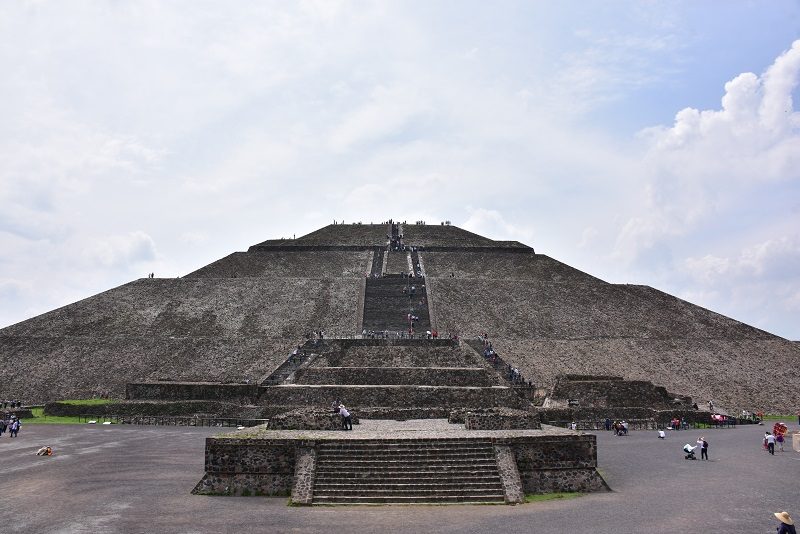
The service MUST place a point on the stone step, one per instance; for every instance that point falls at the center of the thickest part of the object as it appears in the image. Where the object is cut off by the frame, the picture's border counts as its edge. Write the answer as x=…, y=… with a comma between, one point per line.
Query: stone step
x=366, y=447
x=425, y=451
x=406, y=446
x=406, y=471
x=415, y=457
x=490, y=498
x=405, y=477
x=389, y=490
x=378, y=463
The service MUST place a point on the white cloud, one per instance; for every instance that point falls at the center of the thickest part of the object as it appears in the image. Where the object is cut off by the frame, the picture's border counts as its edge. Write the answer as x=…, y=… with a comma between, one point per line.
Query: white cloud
x=491, y=223
x=709, y=160
x=120, y=250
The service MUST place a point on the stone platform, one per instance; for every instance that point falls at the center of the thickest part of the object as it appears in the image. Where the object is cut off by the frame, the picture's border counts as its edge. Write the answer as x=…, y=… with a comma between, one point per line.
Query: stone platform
x=390, y=462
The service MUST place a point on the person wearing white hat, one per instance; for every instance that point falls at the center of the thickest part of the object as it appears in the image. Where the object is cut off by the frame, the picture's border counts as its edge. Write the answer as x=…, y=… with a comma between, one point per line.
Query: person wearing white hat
x=787, y=525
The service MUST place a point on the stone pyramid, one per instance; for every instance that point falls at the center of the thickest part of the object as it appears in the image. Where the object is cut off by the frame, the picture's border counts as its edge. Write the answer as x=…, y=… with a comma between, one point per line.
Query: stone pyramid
x=236, y=320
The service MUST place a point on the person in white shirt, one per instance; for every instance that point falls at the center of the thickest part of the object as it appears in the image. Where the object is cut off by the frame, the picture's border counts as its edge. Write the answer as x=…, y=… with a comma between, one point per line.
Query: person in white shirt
x=770, y=442
x=347, y=422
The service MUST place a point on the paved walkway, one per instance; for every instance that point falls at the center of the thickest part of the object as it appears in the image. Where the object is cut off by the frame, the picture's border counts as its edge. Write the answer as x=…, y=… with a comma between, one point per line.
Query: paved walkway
x=122, y=479
x=411, y=429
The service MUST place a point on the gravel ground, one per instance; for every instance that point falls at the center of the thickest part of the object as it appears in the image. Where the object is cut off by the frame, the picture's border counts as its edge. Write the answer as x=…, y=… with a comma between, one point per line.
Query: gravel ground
x=125, y=479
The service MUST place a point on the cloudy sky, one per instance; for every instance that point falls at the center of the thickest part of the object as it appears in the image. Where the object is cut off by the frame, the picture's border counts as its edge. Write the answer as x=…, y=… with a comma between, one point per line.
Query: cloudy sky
x=642, y=142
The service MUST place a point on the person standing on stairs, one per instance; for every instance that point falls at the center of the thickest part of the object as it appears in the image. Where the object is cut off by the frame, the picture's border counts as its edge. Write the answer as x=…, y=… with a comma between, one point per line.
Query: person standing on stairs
x=347, y=421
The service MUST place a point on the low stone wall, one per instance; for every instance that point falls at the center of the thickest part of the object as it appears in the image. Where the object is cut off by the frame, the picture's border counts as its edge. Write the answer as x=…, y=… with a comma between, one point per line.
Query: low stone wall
x=155, y=408
x=422, y=376
x=501, y=420
x=404, y=414
x=612, y=392
x=660, y=417
x=261, y=466
x=308, y=420
x=558, y=463
x=390, y=396
x=248, y=467
x=177, y=391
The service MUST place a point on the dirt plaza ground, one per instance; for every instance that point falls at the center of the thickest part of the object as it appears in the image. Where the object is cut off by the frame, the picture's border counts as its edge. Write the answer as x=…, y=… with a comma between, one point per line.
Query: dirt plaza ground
x=126, y=479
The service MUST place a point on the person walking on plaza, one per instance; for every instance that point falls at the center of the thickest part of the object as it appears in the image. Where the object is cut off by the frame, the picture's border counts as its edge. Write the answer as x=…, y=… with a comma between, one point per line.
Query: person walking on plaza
x=770, y=442
x=15, y=424
x=787, y=525
x=703, y=448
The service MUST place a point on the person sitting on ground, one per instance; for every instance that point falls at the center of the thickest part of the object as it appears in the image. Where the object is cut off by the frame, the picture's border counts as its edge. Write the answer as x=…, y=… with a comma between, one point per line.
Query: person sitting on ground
x=662, y=434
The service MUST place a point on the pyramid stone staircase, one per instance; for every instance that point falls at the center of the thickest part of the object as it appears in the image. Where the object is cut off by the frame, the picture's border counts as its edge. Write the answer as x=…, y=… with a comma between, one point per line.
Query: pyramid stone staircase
x=387, y=305
x=407, y=472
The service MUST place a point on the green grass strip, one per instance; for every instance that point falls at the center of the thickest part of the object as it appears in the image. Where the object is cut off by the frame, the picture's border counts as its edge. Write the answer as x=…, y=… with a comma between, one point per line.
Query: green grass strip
x=87, y=402
x=39, y=418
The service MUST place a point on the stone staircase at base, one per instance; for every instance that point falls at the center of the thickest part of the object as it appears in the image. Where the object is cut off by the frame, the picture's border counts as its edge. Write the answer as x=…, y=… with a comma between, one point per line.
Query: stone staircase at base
x=407, y=471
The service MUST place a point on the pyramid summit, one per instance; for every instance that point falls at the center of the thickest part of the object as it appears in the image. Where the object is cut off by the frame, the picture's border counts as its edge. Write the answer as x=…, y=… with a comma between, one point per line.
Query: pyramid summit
x=236, y=320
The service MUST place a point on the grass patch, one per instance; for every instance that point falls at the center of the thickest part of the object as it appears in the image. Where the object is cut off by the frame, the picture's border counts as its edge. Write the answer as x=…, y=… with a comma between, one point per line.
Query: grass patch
x=542, y=497
x=774, y=417
x=87, y=402
x=40, y=419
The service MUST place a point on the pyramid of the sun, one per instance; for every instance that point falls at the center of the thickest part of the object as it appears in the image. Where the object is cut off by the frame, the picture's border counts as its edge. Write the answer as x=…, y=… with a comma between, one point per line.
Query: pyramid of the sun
x=238, y=318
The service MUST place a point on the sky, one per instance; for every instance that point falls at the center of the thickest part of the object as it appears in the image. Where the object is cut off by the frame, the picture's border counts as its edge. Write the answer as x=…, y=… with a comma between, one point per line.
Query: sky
x=642, y=142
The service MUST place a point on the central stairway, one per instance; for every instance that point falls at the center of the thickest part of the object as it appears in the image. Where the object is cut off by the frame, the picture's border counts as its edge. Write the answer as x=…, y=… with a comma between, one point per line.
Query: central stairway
x=407, y=471
x=389, y=300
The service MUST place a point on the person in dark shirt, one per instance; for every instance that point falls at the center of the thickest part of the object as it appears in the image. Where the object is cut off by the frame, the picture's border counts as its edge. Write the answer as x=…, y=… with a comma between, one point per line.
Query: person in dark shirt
x=787, y=525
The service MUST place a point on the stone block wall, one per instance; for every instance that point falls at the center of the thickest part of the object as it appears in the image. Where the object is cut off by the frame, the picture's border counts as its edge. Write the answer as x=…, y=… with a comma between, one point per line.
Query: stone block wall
x=501, y=420
x=157, y=408
x=396, y=353
x=248, y=467
x=591, y=393
x=659, y=417
x=302, y=419
x=558, y=463
x=388, y=396
x=178, y=391
x=529, y=464
x=430, y=376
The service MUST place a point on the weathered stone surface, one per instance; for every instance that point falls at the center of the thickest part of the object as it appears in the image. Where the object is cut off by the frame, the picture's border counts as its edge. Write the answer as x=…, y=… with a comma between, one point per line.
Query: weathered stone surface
x=304, y=473
x=157, y=408
x=308, y=419
x=421, y=376
x=509, y=474
x=591, y=392
x=547, y=460
x=501, y=419
x=178, y=391
x=396, y=353
x=388, y=396
x=288, y=264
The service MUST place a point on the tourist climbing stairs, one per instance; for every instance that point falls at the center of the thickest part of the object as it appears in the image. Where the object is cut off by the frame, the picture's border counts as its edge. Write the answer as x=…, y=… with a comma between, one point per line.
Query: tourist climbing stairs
x=407, y=471
x=377, y=262
x=389, y=300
